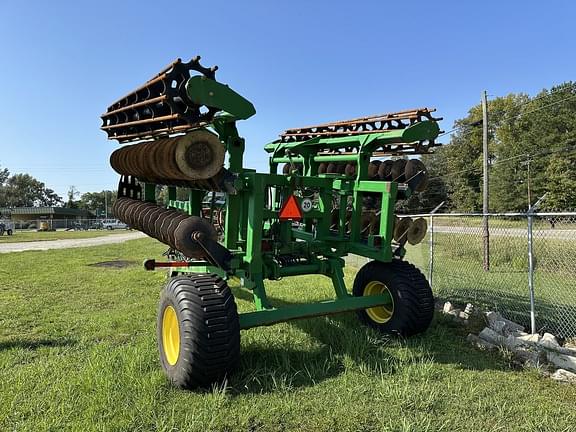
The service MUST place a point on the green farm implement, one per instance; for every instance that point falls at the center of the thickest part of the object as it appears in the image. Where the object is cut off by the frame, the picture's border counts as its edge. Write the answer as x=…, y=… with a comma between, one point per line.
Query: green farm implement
x=331, y=191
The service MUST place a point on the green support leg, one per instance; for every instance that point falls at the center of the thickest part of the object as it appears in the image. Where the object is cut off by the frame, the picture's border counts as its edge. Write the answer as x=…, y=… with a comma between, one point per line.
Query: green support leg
x=171, y=193
x=337, y=276
x=253, y=255
x=259, y=292
x=150, y=192
x=195, y=198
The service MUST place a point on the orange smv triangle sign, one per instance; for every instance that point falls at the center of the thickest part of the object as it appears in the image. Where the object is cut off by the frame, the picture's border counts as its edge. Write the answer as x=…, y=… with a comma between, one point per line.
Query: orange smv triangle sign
x=290, y=210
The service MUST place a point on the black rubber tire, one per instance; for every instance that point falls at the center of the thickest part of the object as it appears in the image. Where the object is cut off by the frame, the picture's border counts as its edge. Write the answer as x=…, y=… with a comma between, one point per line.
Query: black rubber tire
x=411, y=292
x=209, y=330
x=9, y=232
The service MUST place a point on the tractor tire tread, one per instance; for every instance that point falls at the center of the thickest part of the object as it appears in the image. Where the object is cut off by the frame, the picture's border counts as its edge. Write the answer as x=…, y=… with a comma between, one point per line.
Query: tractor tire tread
x=209, y=328
x=413, y=298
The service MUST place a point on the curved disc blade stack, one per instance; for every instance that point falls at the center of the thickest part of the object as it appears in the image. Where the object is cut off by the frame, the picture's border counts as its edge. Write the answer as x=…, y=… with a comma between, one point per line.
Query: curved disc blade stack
x=192, y=159
x=159, y=107
x=172, y=227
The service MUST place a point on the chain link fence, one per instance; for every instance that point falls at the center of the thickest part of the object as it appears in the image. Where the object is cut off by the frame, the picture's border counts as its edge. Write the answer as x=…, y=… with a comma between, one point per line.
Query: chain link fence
x=453, y=259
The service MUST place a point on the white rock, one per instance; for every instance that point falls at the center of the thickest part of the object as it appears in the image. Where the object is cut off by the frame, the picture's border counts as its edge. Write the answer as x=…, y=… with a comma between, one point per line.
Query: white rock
x=455, y=312
x=549, y=341
x=492, y=337
x=571, y=344
x=463, y=315
x=469, y=309
x=509, y=326
x=564, y=376
x=567, y=350
x=447, y=307
x=498, y=326
x=514, y=342
x=493, y=316
x=519, y=333
x=530, y=339
x=562, y=360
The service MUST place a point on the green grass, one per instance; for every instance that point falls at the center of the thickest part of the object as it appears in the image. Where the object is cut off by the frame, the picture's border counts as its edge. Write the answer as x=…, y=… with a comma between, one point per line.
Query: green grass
x=28, y=236
x=78, y=352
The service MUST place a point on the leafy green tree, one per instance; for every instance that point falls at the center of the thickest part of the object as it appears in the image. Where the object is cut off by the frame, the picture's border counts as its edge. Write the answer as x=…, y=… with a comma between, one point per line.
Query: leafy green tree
x=23, y=190
x=4, y=175
x=182, y=194
x=562, y=191
x=97, y=202
x=460, y=163
x=534, y=131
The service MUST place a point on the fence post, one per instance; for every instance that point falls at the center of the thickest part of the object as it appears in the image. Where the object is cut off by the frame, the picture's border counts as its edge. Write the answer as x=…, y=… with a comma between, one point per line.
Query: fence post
x=530, y=214
x=431, y=257
x=431, y=241
x=531, y=273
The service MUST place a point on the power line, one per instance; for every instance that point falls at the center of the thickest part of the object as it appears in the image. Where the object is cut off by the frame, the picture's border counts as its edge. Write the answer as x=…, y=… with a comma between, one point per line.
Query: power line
x=517, y=116
x=544, y=153
x=549, y=105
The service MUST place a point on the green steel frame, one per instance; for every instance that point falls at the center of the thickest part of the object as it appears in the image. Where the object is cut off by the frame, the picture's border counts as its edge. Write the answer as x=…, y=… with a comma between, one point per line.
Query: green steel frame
x=260, y=242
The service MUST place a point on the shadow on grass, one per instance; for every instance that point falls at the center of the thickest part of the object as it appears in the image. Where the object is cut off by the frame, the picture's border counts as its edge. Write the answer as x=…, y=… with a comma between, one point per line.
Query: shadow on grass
x=340, y=342
x=35, y=343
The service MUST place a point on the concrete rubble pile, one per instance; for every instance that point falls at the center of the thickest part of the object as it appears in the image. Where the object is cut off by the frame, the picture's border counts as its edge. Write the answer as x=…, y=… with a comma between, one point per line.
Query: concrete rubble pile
x=530, y=349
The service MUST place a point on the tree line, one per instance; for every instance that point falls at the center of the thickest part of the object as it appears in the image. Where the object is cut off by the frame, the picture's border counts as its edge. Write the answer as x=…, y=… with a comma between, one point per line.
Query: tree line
x=23, y=190
x=532, y=151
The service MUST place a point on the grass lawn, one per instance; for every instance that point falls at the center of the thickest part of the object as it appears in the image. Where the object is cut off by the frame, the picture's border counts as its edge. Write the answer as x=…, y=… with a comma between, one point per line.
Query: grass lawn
x=78, y=352
x=28, y=236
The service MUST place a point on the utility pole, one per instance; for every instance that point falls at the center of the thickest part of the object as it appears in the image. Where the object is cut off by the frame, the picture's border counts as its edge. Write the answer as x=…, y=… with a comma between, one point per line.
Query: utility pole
x=485, y=188
x=105, y=204
x=528, y=179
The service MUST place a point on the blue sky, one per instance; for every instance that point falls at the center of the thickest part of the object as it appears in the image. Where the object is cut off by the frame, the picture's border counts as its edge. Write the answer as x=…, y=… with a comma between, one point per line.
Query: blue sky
x=299, y=62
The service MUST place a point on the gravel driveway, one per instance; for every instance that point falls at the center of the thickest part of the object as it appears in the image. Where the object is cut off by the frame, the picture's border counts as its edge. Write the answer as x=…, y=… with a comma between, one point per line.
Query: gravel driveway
x=69, y=243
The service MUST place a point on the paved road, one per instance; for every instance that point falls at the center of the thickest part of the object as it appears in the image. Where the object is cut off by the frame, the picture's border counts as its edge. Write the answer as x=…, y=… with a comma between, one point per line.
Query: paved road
x=560, y=234
x=69, y=243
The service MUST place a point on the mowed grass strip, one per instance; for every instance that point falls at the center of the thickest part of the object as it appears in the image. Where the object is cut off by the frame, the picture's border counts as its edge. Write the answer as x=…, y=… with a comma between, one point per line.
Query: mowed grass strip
x=78, y=352
x=29, y=236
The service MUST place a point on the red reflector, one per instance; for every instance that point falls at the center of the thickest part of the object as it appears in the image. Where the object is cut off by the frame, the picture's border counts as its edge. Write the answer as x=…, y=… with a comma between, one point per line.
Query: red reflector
x=290, y=209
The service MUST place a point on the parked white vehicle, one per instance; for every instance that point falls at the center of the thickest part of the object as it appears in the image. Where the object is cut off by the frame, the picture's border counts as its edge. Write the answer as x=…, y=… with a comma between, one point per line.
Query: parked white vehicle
x=112, y=224
x=6, y=226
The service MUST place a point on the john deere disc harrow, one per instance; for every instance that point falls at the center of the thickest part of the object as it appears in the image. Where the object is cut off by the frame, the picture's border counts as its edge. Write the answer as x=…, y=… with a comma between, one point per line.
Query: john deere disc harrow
x=331, y=191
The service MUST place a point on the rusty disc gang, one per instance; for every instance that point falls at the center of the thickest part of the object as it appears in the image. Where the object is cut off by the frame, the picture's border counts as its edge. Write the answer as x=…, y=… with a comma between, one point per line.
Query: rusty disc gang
x=171, y=227
x=159, y=107
x=198, y=155
x=368, y=125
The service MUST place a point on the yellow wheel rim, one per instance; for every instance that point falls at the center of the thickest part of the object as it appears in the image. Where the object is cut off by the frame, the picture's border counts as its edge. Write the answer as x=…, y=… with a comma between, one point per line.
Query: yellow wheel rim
x=170, y=335
x=379, y=314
